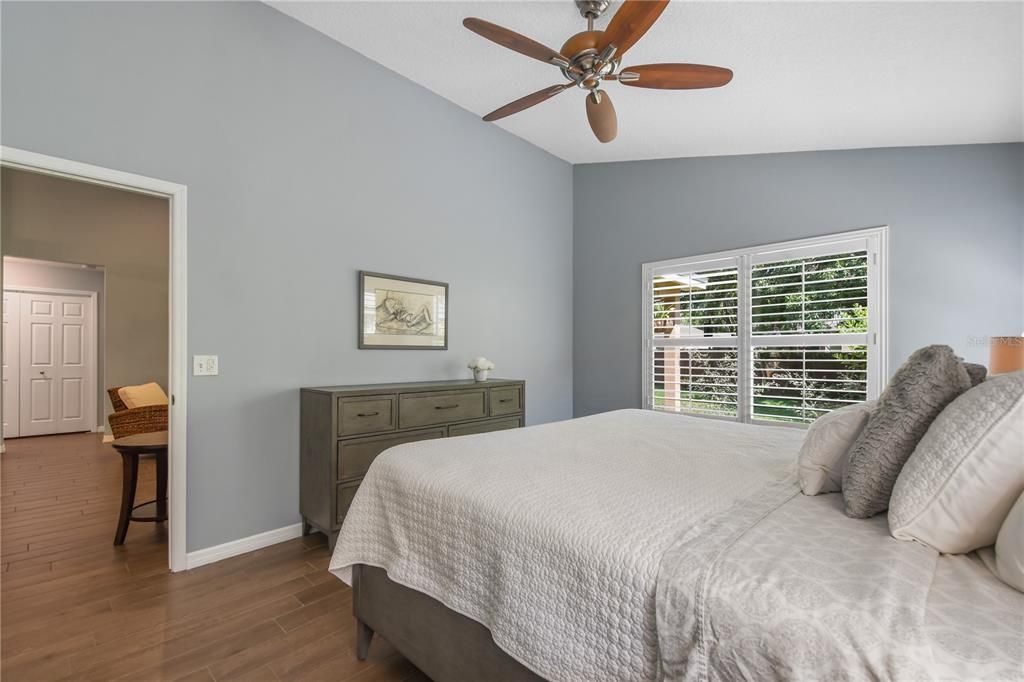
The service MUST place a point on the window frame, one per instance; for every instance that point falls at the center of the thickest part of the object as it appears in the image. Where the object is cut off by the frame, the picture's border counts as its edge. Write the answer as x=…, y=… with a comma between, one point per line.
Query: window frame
x=877, y=242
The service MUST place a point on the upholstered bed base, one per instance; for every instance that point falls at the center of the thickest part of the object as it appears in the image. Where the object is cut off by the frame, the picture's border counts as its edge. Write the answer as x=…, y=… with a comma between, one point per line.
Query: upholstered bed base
x=446, y=645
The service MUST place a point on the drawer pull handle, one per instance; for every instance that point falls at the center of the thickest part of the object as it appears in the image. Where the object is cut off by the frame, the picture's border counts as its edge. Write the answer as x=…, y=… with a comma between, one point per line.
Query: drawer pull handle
x=505, y=400
x=368, y=414
x=446, y=407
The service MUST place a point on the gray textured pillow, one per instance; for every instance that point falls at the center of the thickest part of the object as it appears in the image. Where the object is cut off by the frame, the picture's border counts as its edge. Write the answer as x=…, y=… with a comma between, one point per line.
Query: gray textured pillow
x=976, y=372
x=928, y=381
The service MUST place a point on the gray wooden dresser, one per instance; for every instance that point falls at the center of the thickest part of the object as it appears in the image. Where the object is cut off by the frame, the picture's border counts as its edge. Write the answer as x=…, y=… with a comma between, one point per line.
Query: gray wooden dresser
x=343, y=428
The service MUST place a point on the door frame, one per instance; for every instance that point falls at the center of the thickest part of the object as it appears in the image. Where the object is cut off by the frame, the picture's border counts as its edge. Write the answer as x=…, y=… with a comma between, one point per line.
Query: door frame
x=176, y=195
x=95, y=340
x=13, y=313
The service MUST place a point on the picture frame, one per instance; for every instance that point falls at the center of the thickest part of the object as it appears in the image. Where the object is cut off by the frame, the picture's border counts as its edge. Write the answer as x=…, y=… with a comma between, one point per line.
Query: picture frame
x=402, y=313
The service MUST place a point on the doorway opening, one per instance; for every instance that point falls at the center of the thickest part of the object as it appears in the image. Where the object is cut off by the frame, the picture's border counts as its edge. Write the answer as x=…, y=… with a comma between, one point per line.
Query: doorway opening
x=93, y=351
x=52, y=311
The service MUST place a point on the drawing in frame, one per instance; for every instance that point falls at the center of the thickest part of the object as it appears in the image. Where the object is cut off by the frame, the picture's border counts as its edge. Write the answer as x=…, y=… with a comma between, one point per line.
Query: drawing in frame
x=402, y=313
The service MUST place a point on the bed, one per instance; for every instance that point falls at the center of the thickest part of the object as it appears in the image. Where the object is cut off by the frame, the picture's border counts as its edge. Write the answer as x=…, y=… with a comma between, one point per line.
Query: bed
x=635, y=545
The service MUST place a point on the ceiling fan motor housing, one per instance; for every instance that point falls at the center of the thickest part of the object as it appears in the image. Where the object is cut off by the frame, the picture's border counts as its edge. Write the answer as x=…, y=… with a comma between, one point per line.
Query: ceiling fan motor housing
x=586, y=68
x=581, y=42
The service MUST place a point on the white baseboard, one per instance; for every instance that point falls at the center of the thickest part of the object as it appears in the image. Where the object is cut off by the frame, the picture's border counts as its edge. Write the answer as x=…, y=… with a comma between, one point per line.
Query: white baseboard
x=201, y=557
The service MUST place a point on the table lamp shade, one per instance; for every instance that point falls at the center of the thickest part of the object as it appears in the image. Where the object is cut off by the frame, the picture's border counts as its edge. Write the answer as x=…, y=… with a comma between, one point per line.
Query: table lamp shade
x=1007, y=354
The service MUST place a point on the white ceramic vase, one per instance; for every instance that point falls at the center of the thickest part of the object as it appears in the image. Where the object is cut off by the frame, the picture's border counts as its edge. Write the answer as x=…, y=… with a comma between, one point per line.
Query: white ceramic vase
x=481, y=374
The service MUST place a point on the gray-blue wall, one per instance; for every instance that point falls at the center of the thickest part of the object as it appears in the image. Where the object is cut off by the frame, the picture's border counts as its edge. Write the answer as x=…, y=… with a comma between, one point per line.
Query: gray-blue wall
x=956, y=242
x=304, y=162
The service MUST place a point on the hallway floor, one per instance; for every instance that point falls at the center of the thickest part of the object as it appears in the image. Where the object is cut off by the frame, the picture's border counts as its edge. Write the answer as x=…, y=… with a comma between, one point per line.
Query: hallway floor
x=76, y=606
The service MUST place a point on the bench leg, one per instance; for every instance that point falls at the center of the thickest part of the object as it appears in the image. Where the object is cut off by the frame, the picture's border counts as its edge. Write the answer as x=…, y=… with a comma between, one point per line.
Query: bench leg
x=364, y=635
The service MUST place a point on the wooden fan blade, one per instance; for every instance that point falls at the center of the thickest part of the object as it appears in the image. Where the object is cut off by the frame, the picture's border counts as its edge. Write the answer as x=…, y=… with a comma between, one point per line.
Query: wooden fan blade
x=630, y=23
x=514, y=41
x=675, y=76
x=601, y=115
x=526, y=102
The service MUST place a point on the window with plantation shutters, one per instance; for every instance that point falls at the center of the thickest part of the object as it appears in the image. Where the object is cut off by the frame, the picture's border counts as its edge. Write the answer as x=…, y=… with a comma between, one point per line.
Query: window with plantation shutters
x=780, y=333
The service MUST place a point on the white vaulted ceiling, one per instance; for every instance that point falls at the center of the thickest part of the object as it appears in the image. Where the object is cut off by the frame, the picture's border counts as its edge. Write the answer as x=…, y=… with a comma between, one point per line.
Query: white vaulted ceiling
x=808, y=75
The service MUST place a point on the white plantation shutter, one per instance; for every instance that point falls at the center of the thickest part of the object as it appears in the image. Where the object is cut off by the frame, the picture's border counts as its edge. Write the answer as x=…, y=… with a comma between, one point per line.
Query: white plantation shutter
x=693, y=316
x=700, y=301
x=799, y=298
x=801, y=383
x=696, y=379
x=779, y=333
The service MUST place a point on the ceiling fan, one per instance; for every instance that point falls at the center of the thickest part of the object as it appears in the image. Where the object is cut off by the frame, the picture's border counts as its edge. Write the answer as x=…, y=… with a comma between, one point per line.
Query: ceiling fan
x=590, y=57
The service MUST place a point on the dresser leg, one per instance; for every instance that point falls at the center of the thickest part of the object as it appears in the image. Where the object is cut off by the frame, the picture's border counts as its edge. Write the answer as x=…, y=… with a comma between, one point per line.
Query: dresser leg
x=364, y=635
x=332, y=540
x=306, y=528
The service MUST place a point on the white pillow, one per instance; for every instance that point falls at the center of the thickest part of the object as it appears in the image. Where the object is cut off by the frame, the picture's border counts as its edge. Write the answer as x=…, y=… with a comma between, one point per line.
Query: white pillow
x=140, y=396
x=966, y=472
x=1009, y=561
x=826, y=448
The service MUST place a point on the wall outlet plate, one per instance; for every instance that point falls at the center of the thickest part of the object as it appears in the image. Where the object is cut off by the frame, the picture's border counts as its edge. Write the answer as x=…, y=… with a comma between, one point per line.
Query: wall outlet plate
x=204, y=365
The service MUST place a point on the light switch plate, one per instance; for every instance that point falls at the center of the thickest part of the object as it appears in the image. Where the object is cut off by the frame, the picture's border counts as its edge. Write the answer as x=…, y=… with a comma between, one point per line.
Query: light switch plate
x=204, y=365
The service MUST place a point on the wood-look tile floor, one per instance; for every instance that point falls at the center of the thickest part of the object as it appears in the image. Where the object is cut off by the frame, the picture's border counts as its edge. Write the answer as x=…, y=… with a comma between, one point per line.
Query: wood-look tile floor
x=73, y=606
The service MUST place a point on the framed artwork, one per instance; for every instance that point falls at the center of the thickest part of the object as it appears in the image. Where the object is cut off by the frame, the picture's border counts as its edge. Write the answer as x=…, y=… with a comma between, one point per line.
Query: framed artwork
x=402, y=312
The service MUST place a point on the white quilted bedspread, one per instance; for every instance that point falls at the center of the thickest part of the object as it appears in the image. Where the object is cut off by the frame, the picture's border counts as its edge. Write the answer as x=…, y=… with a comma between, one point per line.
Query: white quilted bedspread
x=787, y=587
x=551, y=536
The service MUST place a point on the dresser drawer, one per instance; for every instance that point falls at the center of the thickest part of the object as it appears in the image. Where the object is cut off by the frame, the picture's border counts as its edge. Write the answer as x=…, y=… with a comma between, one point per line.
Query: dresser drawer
x=369, y=414
x=506, y=400
x=486, y=426
x=425, y=409
x=345, y=493
x=356, y=455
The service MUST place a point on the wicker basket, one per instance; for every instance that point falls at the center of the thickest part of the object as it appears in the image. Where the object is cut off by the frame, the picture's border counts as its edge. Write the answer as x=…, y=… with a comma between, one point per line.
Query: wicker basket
x=125, y=421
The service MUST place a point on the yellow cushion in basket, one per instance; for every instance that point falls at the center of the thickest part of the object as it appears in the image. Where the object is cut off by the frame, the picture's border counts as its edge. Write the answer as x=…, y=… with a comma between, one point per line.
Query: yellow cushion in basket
x=146, y=394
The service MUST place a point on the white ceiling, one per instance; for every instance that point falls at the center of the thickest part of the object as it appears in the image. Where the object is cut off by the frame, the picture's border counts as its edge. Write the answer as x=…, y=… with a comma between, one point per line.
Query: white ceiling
x=808, y=75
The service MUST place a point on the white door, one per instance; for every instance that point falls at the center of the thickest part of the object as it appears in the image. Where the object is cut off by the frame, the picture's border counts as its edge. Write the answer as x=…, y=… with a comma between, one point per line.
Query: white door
x=75, y=391
x=11, y=363
x=57, y=368
x=38, y=364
